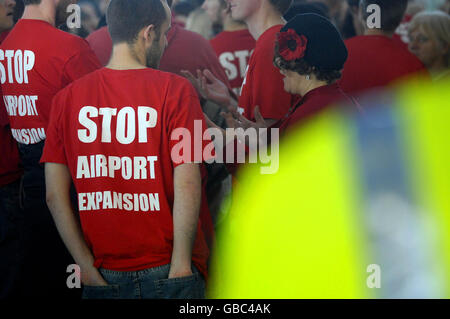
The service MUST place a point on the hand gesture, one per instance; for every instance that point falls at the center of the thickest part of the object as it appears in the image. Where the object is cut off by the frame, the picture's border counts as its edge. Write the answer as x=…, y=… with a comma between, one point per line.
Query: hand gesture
x=235, y=120
x=209, y=87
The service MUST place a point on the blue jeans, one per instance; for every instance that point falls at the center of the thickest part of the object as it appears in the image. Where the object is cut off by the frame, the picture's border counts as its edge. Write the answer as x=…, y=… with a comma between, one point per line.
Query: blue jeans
x=152, y=283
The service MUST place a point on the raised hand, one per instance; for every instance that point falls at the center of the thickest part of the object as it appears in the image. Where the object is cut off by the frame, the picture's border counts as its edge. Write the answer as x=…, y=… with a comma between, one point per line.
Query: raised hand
x=236, y=120
x=210, y=87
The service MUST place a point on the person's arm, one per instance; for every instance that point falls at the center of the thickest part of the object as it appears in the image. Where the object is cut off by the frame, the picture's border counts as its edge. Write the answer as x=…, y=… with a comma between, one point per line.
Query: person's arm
x=186, y=210
x=82, y=63
x=211, y=88
x=58, y=181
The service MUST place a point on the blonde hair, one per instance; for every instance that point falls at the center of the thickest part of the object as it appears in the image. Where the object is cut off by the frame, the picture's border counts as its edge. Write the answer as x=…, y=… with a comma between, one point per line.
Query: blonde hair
x=436, y=25
x=199, y=22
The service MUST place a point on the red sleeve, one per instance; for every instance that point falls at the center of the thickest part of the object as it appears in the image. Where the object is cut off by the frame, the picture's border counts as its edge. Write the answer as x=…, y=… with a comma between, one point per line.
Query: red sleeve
x=266, y=88
x=101, y=43
x=79, y=65
x=54, y=151
x=186, y=124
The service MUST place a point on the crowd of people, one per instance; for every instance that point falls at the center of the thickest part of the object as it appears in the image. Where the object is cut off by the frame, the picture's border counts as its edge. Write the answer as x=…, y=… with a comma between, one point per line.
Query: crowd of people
x=91, y=118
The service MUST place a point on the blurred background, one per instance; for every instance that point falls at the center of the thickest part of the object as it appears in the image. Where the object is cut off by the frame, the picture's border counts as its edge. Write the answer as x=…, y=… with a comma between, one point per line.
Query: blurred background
x=189, y=12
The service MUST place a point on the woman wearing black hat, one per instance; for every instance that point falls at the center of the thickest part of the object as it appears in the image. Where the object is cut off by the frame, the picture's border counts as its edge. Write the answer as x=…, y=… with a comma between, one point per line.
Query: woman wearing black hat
x=310, y=53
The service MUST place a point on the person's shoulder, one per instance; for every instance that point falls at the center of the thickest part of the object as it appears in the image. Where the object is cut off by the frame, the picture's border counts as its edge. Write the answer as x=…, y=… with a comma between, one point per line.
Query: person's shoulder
x=236, y=36
x=246, y=35
x=217, y=41
x=402, y=54
x=160, y=78
x=401, y=49
x=192, y=37
x=87, y=80
x=98, y=34
x=219, y=37
x=62, y=98
x=269, y=36
x=266, y=42
x=174, y=80
x=43, y=34
x=191, y=43
x=357, y=41
x=61, y=39
x=64, y=44
x=71, y=43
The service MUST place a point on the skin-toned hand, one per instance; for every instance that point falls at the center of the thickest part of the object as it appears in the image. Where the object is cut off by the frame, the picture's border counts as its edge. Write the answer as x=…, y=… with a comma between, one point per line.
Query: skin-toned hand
x=211, y=124
x=180, y=273
x=91, y=277
x=210, y=87
x=235, y=120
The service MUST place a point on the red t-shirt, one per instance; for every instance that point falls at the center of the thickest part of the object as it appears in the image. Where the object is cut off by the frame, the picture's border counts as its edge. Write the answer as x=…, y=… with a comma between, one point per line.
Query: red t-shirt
x=263, y=84
x=186, y=50
x=10, y=169
x=36, y=61
x=234, y=49
x=101, y=43
x=376, y=61
x=113, y=130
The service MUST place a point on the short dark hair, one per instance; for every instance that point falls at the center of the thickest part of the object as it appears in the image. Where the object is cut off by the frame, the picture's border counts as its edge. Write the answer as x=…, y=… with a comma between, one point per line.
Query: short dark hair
x=281, y=5
x=27, y=2
x=304, y=68
x=126, y=18
x=392, y=12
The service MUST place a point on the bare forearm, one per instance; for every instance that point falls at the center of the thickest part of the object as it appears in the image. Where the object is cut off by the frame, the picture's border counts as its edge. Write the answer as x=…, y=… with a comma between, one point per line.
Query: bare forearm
x=70, y=232
x=58, y=200
x=187, y=186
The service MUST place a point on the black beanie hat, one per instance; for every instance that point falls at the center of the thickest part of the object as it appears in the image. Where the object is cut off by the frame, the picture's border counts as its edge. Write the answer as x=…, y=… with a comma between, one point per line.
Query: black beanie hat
x=325, y=48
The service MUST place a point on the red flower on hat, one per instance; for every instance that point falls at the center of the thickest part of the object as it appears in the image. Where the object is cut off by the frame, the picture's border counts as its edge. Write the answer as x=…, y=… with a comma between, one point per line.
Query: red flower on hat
x=291, y=45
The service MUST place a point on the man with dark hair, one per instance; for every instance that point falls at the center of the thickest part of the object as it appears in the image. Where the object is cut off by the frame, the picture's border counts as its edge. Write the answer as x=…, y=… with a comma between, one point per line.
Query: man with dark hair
x=186, y=50
x=375, y=58
x=115, y=133
x=36, y=61
x=126, y=30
